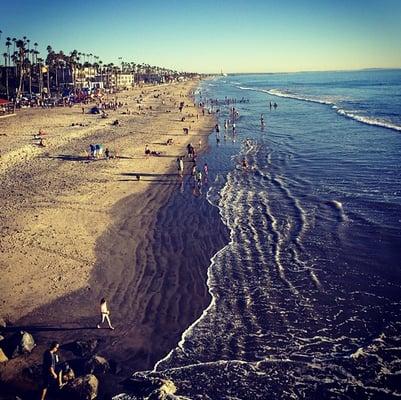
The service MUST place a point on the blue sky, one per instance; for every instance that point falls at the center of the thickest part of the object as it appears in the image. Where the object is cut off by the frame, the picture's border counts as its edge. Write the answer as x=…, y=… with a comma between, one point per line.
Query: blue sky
x=207, y=36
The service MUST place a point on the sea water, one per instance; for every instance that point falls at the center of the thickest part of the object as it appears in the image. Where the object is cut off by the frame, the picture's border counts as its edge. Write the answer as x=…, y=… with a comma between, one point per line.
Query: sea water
x=306, y=296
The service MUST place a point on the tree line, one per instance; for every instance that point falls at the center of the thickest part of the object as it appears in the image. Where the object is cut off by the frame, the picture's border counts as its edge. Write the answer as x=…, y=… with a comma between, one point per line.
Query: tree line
x=25, y=71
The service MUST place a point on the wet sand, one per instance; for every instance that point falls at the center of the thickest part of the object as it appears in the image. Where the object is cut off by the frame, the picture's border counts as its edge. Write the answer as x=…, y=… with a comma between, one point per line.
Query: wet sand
x=75, y=230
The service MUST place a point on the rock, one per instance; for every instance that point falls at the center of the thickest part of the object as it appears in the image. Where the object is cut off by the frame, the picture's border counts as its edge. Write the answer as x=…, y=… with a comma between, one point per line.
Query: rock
x=166, y=390
x=82, y=348
x=33, y=371
x=150, y=387
x=2, y=323
x=3, y=357
x=82, y=388
x=97, y=365
x=17, y=344
x=115, y=367
x=27, y=343
x=1, y=338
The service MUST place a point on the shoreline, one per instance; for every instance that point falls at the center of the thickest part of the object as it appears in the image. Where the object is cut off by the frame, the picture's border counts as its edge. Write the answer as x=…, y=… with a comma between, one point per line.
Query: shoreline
x=150, y=213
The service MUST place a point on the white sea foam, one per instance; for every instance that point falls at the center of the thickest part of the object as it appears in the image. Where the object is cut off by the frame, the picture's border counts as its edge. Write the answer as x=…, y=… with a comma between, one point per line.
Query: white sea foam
x=345, y=113
x=289, y=95
x=369, y=120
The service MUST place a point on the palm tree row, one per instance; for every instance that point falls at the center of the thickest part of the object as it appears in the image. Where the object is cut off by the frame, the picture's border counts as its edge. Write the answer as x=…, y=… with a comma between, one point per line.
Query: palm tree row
x=24, y=71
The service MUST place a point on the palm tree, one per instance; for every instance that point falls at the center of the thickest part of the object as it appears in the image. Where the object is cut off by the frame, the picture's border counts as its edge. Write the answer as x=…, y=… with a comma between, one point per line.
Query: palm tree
x=48, y=58
x=8, y=44
x=31, y=65
x=20, y=61
x=36, y=50
x=72, y=63
x=6, y=57
x=14, y=41
x=101, y=71
x=39, y=62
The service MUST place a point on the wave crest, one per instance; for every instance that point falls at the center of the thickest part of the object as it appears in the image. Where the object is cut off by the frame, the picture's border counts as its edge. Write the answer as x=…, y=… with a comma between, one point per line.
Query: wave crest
x=344, y=113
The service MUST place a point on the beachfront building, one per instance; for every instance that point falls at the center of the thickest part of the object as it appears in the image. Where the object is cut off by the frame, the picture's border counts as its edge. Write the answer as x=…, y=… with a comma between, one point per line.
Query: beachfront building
x=83, y=77
x=118, y=80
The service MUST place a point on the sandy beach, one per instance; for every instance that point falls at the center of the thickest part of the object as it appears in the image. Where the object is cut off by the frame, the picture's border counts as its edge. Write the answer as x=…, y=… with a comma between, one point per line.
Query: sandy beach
x=75, y=230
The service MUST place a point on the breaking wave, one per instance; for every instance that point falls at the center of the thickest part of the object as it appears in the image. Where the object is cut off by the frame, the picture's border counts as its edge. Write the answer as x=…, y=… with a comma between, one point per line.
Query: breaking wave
x=340, y=111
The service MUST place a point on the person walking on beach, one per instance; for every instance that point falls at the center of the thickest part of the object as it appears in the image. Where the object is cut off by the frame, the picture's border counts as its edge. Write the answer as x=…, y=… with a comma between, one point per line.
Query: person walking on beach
x=206, y=169
x=49, y=368
x=105, y=313
x=180, y=166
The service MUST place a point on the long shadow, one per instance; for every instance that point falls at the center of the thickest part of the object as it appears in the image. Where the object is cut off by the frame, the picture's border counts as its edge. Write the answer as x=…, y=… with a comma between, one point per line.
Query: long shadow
x=69, y=157
x=161, y=181
x=41, y=328
x=164, y=156
x=175, y=134
x=144, y=174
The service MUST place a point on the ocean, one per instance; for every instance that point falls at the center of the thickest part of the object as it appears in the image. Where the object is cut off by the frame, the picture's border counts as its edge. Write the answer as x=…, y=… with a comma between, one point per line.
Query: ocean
x=306, y=295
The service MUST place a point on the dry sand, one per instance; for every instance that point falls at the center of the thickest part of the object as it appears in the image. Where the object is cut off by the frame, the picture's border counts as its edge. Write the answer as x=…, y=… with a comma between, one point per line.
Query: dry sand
x=74, y=230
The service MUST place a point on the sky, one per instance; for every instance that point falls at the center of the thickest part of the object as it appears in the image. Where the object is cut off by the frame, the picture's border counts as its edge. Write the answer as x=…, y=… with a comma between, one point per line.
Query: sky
x=211, y=36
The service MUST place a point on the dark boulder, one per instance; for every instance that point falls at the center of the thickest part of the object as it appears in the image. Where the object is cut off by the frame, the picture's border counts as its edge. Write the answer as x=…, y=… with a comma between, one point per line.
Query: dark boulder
x=150, y=387
x=34, y=372
x=82, y=388
x=82, y=348
x=3, y=357
x=115, y=367
x=19, y=343
x=97, y=365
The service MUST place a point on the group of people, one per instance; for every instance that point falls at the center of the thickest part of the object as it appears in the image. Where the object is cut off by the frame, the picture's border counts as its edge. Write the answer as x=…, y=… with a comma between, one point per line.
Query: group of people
x=149, y=152
x=56, y=374
x=96, y=150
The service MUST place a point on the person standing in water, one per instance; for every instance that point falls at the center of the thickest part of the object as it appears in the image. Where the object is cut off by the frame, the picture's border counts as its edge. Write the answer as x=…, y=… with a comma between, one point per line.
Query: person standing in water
x=262, y=120
x=105, y=313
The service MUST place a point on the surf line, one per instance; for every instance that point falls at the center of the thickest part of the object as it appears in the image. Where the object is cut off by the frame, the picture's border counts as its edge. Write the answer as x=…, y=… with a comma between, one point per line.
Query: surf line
x=209, y=284
x=188, y=331
x=344, y=113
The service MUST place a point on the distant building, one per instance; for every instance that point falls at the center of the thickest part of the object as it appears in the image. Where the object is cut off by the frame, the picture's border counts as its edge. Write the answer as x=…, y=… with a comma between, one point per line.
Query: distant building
x=119, y=80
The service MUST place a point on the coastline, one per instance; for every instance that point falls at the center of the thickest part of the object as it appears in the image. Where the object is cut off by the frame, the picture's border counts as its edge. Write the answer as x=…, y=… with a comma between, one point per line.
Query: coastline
x=151, y=302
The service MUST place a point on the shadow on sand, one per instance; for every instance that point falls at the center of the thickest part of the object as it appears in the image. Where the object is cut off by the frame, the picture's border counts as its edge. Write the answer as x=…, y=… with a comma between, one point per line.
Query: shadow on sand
x=146, y=177
x=44, y=328
x=71, y=157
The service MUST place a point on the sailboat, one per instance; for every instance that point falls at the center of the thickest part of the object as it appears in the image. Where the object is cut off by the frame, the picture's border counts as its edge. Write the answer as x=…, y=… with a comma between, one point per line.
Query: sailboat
x=223, y=74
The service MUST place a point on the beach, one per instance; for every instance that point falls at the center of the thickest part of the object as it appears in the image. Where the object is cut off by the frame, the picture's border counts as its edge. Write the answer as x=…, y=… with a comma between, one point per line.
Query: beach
x=75, y=229
x=278, y=275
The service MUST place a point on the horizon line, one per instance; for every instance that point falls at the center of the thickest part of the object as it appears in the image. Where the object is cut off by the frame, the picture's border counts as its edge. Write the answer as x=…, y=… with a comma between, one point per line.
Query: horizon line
x=305, y=71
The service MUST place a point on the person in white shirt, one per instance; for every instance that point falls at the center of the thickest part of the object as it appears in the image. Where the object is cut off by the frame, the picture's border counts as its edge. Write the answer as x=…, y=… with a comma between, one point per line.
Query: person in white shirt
x=104, y=311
